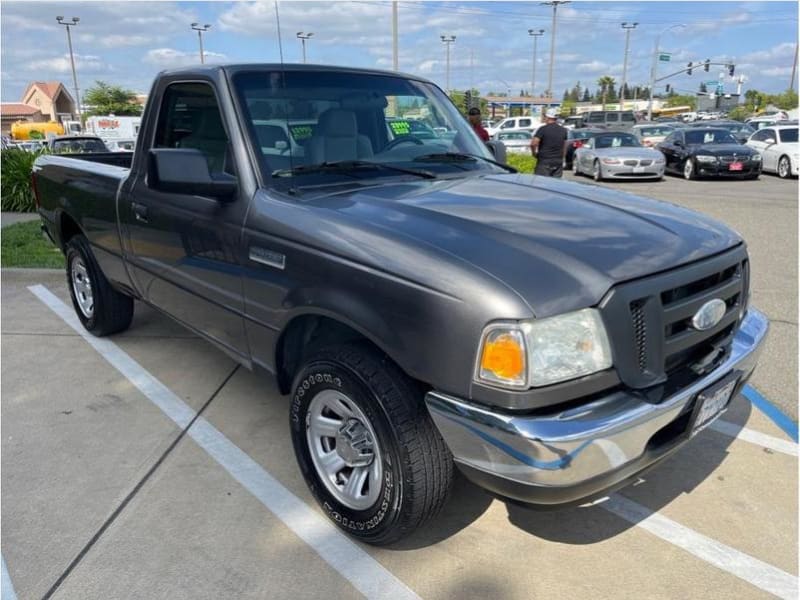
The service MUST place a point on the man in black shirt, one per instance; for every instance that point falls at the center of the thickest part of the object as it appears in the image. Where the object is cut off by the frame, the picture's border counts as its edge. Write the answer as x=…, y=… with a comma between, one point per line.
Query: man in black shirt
x=549, y=146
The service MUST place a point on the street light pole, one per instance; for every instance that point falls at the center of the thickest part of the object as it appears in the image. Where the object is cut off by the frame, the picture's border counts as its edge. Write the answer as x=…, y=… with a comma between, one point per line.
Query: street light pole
x=654, y=67
x=67, y=25
x=303, y=37
x=447, y=40
x=535, y=33
x=627, y=27
x=554, y=4
x=200, y=30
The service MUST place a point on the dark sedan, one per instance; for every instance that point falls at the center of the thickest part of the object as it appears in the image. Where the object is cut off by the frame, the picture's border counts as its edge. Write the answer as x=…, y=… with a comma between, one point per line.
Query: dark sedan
x=576, y=138
x=709, y=152
x=741, y=131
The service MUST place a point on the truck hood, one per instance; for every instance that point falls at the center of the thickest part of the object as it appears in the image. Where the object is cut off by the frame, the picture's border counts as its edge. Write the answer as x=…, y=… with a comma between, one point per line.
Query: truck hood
x=722, y=149
x=559, y=245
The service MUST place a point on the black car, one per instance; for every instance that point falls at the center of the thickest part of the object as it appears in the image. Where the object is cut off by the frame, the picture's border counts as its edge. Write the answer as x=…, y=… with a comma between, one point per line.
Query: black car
x=577, y=138
x=741, y=131
x=709, y=152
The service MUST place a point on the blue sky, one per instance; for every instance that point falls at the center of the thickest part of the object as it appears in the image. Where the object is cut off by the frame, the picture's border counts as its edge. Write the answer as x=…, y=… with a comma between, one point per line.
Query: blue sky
x=127, y=43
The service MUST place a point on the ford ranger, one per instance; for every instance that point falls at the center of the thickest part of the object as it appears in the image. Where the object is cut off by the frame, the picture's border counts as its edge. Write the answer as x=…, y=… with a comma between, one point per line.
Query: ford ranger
x=424, y=306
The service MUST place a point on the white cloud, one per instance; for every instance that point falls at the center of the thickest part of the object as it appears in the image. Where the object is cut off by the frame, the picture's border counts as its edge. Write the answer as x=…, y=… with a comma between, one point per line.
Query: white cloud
x=167, y=58
x=776, y=53
x=61, y=64
x=117, y=40
x=594, y=67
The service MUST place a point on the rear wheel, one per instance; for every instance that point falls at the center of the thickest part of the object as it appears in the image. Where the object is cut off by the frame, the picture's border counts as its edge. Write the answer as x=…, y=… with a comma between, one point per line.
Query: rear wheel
x=784, y=167
x=688, y=169
x=366, y=445
x=101, y=309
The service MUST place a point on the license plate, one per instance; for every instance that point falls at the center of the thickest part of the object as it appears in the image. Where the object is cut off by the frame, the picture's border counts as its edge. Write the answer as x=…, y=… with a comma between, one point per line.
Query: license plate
x=638, y=169
x=711, y=403
x=735, y=166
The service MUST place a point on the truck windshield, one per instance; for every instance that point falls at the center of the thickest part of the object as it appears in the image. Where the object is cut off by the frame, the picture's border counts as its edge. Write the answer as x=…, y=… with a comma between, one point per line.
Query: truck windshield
x=304, y=122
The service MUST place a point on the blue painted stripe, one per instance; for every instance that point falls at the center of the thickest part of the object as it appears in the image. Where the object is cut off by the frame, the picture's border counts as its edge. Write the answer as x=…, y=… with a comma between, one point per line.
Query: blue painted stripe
x=552, y=465
x=771, y=411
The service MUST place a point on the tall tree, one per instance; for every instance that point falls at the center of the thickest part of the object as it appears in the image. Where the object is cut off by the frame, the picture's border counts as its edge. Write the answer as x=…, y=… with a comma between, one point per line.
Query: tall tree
x=587, y=97
x=606, y=83
x=106, y=99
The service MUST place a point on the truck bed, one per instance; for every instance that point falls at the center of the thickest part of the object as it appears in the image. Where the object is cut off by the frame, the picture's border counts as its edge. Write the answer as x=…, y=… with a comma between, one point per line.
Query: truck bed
x=117, y=159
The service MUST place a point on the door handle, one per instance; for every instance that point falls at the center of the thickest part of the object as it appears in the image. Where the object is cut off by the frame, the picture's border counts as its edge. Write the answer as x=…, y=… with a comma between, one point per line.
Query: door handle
x=139, y=212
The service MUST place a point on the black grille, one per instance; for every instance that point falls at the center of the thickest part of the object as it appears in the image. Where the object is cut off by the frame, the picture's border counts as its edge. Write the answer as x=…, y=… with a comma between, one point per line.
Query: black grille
x=652, y=331
x=631, y=162
x=646, y=163
x=639, y=334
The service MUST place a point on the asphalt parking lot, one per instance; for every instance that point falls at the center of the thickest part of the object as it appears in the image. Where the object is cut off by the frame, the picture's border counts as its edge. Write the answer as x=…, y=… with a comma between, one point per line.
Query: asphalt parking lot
x=114, y=487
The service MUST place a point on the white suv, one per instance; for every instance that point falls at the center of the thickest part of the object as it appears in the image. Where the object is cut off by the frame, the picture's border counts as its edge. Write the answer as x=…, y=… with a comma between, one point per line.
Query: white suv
x=515, y=124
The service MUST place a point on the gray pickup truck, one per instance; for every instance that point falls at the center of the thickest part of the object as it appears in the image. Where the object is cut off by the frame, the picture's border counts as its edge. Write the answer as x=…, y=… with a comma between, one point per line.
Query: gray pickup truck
x=423, y=305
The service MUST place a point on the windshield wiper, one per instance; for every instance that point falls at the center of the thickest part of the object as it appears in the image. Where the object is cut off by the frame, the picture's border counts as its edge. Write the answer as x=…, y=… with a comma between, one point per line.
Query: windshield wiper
x=346, y=166
x=458, y=157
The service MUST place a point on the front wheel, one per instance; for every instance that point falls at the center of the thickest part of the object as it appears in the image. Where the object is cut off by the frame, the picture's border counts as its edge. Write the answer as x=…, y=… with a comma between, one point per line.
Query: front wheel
x=597, y=173
x=784, y=167
x=365, y=444
x=688, y=170
x=101, y=309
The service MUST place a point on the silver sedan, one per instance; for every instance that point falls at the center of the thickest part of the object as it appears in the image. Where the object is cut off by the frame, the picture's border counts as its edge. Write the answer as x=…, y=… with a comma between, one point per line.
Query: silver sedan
x=618, y=155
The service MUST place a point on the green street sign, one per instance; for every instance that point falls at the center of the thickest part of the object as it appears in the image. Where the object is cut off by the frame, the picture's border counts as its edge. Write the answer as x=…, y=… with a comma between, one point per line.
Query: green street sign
x=664, y=57
x=714, y=83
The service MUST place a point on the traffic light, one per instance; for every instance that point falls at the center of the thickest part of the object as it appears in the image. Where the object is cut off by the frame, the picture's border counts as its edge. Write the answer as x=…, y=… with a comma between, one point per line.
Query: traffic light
x=468, y=99
x=689, y=72
x=667, y=88
x=706, y=65
x=731, y=69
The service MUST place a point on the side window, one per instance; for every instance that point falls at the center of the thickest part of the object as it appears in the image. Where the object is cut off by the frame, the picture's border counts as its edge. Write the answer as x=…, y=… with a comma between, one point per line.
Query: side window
x=524, y=122
x=760, y=136
x=596, y=117
x=612, y=117
x=190, y=118
x=507, y=124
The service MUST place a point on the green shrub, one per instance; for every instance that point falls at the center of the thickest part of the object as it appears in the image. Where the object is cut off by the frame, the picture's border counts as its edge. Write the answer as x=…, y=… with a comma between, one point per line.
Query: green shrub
x=15, y=180
x=524, y=163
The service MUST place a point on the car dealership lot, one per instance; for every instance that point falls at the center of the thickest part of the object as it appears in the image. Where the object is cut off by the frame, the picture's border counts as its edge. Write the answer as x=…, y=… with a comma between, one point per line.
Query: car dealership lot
x=104, y=497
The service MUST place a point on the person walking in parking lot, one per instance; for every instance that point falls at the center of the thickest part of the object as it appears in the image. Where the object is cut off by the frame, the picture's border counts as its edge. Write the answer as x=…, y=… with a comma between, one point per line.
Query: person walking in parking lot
x=549, y=146
x=474, y=117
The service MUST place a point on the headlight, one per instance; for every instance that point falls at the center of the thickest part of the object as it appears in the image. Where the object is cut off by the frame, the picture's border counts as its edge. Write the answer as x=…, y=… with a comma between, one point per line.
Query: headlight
x=659, y=160
x=756, y=158
x=544, y=351
x=706, y=158
x=610, y=161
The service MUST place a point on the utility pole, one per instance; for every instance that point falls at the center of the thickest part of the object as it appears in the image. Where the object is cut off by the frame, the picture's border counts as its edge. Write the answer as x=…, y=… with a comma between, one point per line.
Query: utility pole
x=794, y=68
x=73, y=23
x=535, y=34
x=554, y=4
x=447, y=40
x=471, y=65
x=200, y=31
x=627, y=27
x=303, y=37
x=395, y=61
x=654, y=68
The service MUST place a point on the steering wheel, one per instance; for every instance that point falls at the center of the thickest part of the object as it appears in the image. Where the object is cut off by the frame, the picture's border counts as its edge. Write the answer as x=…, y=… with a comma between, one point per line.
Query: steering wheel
x=403, y=140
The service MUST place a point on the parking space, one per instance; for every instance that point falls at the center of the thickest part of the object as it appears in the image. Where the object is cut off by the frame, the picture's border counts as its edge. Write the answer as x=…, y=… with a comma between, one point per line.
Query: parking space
x=109, y=492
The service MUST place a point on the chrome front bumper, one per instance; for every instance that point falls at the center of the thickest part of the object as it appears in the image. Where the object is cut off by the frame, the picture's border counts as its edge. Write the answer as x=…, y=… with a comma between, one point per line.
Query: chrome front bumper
x=576, y=453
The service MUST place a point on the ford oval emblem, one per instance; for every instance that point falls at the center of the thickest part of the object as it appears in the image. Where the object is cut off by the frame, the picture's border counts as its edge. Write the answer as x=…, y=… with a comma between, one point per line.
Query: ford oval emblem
x=709, y=314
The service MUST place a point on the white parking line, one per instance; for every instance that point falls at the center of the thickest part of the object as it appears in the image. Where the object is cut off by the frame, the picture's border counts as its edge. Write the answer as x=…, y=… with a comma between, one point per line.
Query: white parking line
x=366, y=574
x=7, y=590
x=755, y=437
x=744, y=566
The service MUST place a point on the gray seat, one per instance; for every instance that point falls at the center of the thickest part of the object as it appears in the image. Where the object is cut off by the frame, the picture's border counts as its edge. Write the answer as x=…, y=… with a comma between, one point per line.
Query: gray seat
x=210, y=138
x=336, y=138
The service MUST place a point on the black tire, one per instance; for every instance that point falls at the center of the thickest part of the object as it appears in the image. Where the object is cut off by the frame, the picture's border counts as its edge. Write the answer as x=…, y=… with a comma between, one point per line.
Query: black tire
x=689, y=170
x=784, y=169
x=112, y=311
x=597, y=172
x=417, y=467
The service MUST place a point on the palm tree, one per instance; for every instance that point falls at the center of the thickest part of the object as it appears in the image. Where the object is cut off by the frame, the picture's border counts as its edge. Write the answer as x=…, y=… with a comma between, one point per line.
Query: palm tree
x=606, y=82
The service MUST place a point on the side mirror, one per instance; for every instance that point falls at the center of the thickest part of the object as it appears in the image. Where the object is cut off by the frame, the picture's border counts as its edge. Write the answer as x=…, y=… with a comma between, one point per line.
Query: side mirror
x=185, y=171
x=498, y=149
x=678, y=143
x=769, y=141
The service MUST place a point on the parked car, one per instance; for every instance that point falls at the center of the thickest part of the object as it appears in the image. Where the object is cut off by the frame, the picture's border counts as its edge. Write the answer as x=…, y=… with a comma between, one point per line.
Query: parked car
x=121, y=145
x=741, y=131
x=778, y=148
x=517, y=142
x=650, y=134
x=674, y=120
x=423, y=307
x=709, y=152
x=515, y=124
x=76, y=144
x=617, y=155
x=32, y=145
x=577, y=138
x=613, y=119
x=574, y=122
